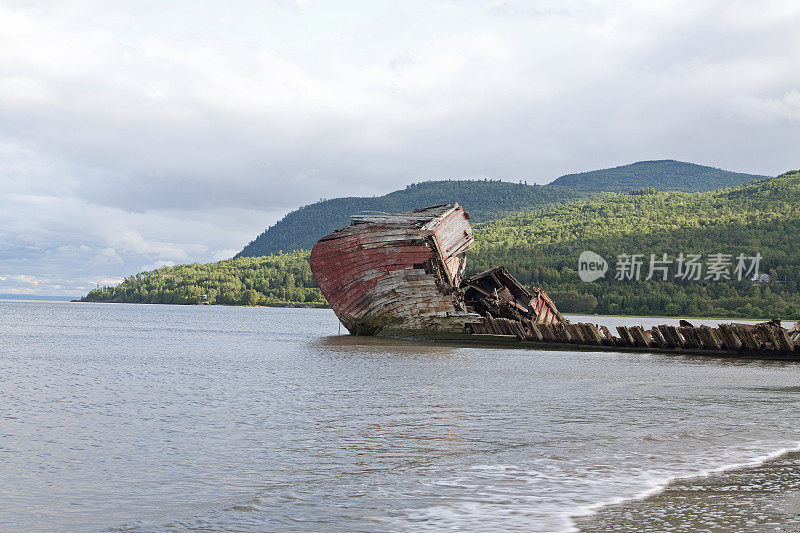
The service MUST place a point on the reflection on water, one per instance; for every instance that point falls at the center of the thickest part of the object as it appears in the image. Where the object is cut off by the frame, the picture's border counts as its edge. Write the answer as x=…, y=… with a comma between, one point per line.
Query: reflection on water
x=380, y=345
x=126, y=417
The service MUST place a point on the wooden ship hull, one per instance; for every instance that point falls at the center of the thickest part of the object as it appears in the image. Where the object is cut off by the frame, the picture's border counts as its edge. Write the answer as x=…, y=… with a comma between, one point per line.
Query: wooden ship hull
x=397, y=272
x=389, y=273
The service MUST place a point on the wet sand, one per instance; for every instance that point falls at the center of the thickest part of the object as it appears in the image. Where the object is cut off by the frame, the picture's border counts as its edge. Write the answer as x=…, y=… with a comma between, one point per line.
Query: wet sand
x=752, y=499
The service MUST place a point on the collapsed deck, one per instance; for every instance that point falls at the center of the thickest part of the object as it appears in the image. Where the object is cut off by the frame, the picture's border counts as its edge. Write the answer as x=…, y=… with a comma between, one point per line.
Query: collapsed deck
x=505, y=306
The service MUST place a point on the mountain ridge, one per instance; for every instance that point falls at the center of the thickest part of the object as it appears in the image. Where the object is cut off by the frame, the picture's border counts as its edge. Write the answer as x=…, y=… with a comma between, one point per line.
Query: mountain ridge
x=488, y=199
x=661, y=174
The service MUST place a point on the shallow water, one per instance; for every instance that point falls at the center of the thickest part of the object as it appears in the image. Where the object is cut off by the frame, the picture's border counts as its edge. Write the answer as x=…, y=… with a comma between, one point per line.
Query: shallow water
x=135, y=417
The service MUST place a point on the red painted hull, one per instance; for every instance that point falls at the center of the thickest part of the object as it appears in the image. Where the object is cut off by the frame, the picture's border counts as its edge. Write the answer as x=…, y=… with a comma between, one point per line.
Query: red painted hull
x=397, y=272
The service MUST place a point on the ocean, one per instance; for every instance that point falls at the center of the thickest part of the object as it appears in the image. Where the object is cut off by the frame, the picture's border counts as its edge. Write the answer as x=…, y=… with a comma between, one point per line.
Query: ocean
x=122, y=417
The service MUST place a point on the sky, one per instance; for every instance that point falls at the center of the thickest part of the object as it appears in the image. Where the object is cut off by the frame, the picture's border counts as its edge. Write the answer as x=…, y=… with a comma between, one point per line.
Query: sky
x=135, y=135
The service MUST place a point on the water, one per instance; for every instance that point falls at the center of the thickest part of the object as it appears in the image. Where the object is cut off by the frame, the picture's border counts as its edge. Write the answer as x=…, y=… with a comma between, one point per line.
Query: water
x=149, y=418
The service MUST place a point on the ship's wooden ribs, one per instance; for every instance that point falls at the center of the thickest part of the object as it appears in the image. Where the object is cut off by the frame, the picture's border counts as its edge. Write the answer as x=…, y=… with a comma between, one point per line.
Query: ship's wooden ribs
x=690, y=338
x=573, y=333
x=747, y=339
x=762, y=338
x=783, y=339
x=673, y=336
x=658, y=338
x=709, y=338
x=608, y=337
x=500, y=326
x=774, y=338
x=766, y=338
x=732, y=342
x=671, y=340
x=794, y=336
x=625, y=337
x=591, y=334
x=549, y=333
x=639, y=337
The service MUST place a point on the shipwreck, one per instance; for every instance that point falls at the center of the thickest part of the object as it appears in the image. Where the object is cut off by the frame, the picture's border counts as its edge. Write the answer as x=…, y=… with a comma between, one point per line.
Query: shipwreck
x=392, y=273
x=403, y=274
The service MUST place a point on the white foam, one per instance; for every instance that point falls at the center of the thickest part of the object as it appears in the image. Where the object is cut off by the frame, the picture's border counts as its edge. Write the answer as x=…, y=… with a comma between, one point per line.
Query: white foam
x=492, y=505
x=659, y=484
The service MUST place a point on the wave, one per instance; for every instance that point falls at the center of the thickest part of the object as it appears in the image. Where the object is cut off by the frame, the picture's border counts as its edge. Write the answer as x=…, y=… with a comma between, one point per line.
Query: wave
x=660, y=484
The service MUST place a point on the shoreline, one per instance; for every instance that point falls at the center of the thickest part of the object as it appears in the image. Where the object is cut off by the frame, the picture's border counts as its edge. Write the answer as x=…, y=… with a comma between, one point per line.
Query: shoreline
x=302, y=305
x=756, y=495
x=288, y=305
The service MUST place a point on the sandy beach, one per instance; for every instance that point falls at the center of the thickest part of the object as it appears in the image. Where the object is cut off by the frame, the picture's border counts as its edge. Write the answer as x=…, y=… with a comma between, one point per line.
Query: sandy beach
x=753, y=499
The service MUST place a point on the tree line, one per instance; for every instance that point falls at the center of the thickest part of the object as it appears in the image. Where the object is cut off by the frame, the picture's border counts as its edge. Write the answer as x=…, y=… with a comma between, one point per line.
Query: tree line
x=541, y=247
x=275, y=280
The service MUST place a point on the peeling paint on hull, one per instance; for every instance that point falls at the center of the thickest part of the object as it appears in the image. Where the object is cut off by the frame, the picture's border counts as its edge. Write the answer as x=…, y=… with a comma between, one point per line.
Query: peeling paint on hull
x=397, y=272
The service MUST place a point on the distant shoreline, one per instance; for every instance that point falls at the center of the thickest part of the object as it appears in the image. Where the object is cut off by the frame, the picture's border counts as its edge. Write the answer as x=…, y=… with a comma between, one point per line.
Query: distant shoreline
x=680, y=317
x=32, y=298
x=297, y=305
x=301, y=305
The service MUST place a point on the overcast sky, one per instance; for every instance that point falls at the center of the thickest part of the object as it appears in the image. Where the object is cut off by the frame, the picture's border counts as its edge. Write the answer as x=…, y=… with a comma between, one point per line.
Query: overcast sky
x=139, y=134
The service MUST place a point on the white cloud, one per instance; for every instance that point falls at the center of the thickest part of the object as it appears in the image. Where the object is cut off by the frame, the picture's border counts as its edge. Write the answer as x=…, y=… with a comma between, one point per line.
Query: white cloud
x=180, y=137
x=23, y=279
x=783, y=108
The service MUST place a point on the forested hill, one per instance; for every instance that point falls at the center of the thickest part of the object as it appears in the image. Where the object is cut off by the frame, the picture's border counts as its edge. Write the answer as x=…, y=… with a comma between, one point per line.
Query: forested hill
x=541, y=247
x=275, y=280
x=486, y=200
x=763, y=217
x=665, y=175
